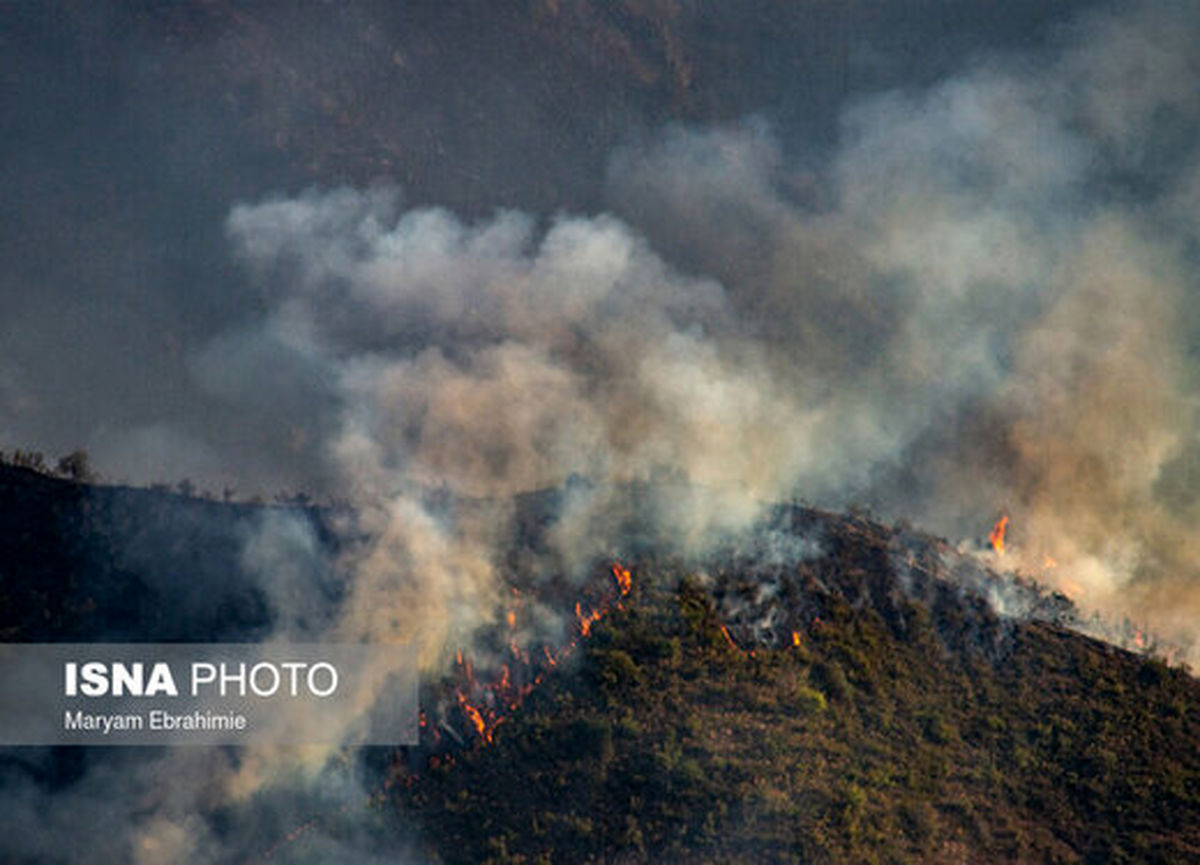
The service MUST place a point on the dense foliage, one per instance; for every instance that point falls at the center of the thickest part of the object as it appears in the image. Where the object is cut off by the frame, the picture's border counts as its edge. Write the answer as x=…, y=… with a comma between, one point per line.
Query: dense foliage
x=895, y=726
x=860, y=744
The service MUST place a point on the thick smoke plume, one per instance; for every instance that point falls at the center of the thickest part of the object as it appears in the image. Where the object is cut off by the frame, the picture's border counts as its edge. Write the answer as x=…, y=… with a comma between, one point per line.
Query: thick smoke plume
x=978, y=303
x=498, y=358
x=981, y=301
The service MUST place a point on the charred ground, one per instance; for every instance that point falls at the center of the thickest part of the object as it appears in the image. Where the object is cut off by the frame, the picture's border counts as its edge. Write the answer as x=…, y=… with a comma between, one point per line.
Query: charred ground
x=851, y=698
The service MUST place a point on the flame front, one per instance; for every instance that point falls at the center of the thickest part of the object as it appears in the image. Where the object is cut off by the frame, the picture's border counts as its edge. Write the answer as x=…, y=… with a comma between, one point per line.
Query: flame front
x=996, y=535
x=623, y=577
x=729, y=638
x=475, y=717
x=483, y=704
x=586, y=620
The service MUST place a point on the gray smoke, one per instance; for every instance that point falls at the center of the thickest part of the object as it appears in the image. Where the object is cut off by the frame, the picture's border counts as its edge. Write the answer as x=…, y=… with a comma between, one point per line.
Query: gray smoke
x=976, y=302
x=983, y=302
x=974, y=305
x=196, y=805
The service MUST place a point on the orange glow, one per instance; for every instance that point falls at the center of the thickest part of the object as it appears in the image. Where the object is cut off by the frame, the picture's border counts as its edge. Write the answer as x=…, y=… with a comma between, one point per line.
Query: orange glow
x=623, y=577
x=476, y=719
x=1049, y=564
x=729, y=637
x=502, y=692
x=996, y=536
x=586, y=620
x=795, y=638
x=520, y=655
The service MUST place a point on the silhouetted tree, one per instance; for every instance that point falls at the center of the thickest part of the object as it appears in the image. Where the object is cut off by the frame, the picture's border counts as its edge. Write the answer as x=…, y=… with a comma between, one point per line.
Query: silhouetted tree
x=29, y=460
x=77, y=466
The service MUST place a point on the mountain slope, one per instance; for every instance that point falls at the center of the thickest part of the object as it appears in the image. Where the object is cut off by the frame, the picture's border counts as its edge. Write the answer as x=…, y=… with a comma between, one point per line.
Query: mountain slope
x=874, y=733
x=833, y=690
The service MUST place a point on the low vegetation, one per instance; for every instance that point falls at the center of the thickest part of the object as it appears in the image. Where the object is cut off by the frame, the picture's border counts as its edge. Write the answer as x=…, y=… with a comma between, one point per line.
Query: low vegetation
x=890, y=727
x=859, y=744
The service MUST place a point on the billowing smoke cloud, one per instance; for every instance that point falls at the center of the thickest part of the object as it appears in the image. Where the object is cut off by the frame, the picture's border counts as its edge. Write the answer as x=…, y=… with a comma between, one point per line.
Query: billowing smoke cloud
x=193, y=805
x=982, y=298
x=497, y=358
x=977, y=303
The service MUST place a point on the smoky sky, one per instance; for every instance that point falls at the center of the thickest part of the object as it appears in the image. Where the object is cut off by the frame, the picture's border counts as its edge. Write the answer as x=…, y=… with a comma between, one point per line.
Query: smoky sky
x=929, y=260
x=934, y=258
x=923, y=259
x=132, y=129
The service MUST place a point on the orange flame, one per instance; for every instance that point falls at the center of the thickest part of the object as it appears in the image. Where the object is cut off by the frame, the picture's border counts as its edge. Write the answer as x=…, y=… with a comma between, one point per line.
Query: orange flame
x=729, y=637
x=511, y=685
x=996, y=535
x=795, y=638
x=475, y=717
x=586, y=620
x=623, y=577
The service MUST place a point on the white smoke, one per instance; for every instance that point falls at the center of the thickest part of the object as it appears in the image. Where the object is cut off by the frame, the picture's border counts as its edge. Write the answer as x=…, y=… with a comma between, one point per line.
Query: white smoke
x=987, y=290
x=974, y=304
x=496, y=358
x=977, y=302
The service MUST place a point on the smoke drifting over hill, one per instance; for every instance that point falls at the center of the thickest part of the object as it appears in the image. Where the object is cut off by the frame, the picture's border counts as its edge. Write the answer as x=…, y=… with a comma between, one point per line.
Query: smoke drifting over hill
x=976, y=301
x=978, y=304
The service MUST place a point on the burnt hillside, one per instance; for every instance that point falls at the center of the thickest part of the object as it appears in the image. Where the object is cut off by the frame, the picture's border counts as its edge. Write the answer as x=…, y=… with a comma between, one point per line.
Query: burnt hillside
x=824, y=712
x=828, y=689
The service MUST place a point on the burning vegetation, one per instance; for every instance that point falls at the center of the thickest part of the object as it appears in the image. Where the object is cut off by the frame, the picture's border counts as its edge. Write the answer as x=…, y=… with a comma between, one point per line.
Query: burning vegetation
x=997, y=534
x=483, y=703
x=864, y=702
x=659, y=323
x=874, y=694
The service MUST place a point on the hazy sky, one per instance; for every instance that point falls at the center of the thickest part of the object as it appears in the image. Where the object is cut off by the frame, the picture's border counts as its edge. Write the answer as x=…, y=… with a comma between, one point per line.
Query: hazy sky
x=934, y=257
x=930, y=257
x=130, y=130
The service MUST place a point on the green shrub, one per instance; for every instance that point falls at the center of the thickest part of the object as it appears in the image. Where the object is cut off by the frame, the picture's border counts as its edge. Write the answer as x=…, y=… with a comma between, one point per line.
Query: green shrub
x=937, y=729
x=809, y=700
x=829, y=677
x=616, y=671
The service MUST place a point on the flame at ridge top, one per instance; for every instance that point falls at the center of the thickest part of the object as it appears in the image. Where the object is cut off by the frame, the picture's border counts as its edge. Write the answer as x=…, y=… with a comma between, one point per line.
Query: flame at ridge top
x=996, y=535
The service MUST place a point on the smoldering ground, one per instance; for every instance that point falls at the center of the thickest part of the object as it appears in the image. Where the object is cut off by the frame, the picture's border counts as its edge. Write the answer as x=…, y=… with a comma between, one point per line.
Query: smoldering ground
x=977, y=301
